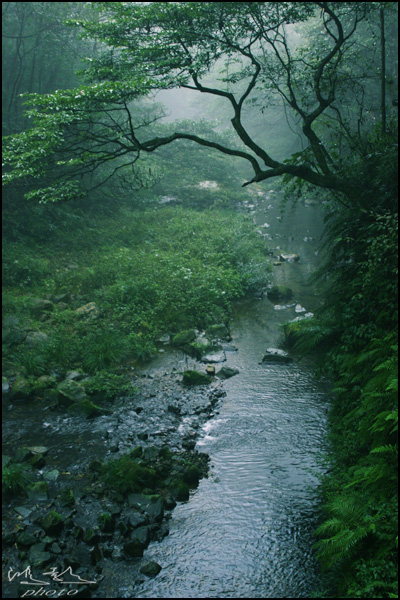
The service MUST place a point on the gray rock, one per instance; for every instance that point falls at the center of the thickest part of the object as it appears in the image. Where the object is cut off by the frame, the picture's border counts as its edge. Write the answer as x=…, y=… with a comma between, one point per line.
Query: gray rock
x=289, y=257
x=150, y=569
x=41, y=306
x=21, y=388
x=227, y=372
x=279, y=292
x=5, y=386
x=35, y=339
x=275, y=355
x=216, y=357
x=136, y=519
x=70, y=391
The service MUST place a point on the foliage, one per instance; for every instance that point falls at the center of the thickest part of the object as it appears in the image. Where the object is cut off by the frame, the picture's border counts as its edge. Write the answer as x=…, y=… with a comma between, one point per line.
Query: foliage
x=104, y=126
x=15, y=478
x=356, y=330
x=125, y=475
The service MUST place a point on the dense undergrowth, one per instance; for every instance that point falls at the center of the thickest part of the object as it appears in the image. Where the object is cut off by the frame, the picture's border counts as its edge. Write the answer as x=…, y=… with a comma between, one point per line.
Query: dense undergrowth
x=356, y=334
x=145, y=272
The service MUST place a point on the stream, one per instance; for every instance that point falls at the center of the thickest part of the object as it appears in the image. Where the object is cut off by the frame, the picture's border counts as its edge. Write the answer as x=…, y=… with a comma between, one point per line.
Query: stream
x=247, y=531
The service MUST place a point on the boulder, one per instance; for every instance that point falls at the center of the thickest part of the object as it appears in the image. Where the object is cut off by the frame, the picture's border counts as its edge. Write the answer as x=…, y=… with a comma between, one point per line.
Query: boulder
x=53, y=523
x=69, y=391
x=35, y=339
x=215, y=357
x=218, y=332
x=289, y=257
x=150, y=569
x=21, y=388
x=227, y=372
x=279, y=293
x=37, y=491
x=274, y=355
x=12, y=334
x=195, y=378
x=90, y=311
x=5, y=386
x=86, y=408
x=184, y=337
x=40, y=306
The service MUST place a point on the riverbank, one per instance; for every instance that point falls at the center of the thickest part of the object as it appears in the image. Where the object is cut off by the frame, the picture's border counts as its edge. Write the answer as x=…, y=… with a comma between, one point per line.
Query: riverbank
x=163, y=417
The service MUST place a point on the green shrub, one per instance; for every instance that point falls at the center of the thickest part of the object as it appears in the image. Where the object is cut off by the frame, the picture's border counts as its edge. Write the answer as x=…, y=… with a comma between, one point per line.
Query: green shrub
x=124, y=475
x=15, y=479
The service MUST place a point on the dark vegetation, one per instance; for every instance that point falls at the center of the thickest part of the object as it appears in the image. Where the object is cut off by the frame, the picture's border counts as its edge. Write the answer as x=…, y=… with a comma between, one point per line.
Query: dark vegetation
x=151, y=253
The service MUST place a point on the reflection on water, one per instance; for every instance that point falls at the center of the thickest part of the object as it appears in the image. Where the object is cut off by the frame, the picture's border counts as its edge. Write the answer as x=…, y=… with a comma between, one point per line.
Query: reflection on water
x=247, y=530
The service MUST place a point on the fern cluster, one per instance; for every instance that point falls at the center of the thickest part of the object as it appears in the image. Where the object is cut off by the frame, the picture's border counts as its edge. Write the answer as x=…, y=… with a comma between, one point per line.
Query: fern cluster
x=356, y=333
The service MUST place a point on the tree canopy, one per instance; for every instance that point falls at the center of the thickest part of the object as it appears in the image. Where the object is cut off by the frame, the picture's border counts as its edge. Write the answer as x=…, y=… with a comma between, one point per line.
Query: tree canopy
x=325, y=81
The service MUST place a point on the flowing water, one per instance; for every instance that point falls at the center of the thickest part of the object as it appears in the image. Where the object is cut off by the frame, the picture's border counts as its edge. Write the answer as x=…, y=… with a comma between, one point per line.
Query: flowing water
x=247, y=531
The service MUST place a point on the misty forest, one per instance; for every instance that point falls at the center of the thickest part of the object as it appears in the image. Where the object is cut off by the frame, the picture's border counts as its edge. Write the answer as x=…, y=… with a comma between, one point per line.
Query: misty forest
x=199, y=374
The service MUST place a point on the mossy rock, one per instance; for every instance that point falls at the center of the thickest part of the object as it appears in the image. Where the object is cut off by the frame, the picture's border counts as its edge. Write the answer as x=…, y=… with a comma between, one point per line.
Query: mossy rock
x=53, y=523
x=86, y=408
x=45, y=382
x=22, y=388
x=184, y=337
x=150, y=569
x=179, y=491
x=106, y=523
x=279, y=293
x=70, y=391
x=196, y=378
x=37, y=491
x=192, y=475
x=218, y=332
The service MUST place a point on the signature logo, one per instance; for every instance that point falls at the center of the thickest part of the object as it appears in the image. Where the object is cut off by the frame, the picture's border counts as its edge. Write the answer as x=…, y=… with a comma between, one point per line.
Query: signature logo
x=41, y=586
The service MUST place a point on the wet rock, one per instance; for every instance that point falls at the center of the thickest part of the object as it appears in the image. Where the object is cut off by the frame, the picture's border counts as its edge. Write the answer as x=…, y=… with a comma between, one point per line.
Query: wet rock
x=137, y=543
x=37, y=492
x=52, y=475
x=184, y=337
x=5, y=386
x=195, y=378
x=91, y=535
x=289, y=257
x=106, y=523
x=150, y=568
x=39, y=558
x=26, y=538
x=227, y=372
x=210, y=370
x=179, y=491
x=37, y=461
x=69, y=391
x=136, y=519
x=215, y=357
x=21, y=388
x=173, y=408
x=152, y=506
x=274, y=355
x=86, y=408
x=143, y=436
x=55, y=548
x=53, y=523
